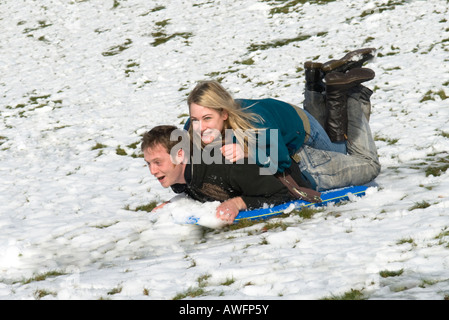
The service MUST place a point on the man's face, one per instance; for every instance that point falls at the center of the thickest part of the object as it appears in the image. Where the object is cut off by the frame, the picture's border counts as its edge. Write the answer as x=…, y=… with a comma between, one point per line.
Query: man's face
x=162, y=166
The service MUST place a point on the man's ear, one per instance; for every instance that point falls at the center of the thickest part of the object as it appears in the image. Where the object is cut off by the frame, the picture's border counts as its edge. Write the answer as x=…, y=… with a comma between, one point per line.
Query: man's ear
x=180, y=156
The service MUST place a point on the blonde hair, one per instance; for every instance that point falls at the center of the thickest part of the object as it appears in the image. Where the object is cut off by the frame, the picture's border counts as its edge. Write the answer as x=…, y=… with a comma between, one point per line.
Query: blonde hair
x=212, y=95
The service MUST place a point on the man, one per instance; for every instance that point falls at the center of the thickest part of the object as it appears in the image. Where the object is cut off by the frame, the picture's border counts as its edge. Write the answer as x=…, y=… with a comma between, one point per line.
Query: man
x=238, y=186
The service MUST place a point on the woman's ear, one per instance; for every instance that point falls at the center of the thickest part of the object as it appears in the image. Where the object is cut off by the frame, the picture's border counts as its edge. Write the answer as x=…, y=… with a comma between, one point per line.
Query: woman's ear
x=224, y=115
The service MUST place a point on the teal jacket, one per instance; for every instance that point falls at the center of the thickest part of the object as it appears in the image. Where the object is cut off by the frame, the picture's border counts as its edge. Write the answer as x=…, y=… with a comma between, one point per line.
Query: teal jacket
x=284, y=118
x=290, y=135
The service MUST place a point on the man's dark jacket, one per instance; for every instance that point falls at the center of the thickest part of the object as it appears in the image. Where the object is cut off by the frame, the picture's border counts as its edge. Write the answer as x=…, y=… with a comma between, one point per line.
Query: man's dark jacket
x=220, y=182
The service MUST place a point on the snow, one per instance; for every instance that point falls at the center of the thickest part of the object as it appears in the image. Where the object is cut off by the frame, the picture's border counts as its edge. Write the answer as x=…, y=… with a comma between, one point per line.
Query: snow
x=81, y=80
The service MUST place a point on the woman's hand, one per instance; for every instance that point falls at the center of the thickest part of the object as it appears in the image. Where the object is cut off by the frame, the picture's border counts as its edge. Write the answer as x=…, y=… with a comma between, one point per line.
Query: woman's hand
x=232, y=152
x=229, y=209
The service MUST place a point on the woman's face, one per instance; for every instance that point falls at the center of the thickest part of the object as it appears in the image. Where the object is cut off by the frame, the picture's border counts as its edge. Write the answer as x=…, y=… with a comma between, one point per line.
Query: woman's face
x=206, y=122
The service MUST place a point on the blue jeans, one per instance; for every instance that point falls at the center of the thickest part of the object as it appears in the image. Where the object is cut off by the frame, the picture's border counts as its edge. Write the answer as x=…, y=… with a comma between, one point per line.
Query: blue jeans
x=318, y=138
x=329, y=169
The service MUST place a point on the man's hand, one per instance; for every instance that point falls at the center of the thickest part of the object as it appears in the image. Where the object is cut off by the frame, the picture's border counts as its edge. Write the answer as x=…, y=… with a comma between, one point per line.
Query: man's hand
x=232, y=152
x=229, y=209
x=160, y=206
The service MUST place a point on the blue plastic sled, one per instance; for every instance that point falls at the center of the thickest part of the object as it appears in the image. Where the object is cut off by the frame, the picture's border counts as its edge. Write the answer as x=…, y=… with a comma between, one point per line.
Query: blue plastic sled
x=331, y=196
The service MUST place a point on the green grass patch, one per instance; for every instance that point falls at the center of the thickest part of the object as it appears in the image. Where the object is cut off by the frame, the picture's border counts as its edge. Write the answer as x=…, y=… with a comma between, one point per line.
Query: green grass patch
x=438, y=167
x=287, y=6
x=115, y=291
x=98, y=146
x=390, y=5
x=120, y=151
x=134, y=145
x=43, y=276
x=431, y=95
x=112, y=51
x=443, y=237
x=228, y=282
x=35, y=102
x=387, y=273
x=350, y=295
x=155, y=9
x=388, y=141
x=161, y=37
x=443, y=233
x=130, y=67
x=3, y=139
x=420, y=205
x=277, y=43
x=40, y=293
x=244, y=223
x=275, y=225
x=193, y=292
x=146, y=207
x=407, y=240
x=307, y=212
x=41, y=25
x=436, y=170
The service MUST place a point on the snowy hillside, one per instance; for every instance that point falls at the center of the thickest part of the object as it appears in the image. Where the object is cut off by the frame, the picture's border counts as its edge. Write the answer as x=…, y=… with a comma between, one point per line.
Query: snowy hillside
x=82, y=80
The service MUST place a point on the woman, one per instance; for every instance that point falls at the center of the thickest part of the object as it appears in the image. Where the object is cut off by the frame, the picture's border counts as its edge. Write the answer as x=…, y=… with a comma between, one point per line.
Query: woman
x=213, y=111
x=350, y=160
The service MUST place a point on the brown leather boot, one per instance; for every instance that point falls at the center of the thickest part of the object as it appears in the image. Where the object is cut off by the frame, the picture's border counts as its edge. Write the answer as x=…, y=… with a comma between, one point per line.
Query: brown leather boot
x=353, y=59
x=337, y=86
x=314, y=76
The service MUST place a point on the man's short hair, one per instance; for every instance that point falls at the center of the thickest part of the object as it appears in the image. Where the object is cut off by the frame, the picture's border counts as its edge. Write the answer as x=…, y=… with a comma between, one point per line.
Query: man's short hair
x=166, y=135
